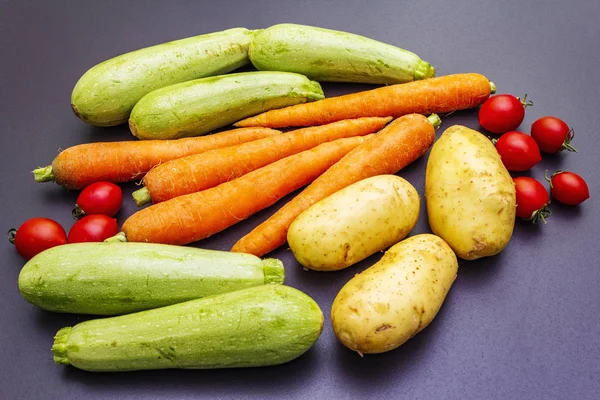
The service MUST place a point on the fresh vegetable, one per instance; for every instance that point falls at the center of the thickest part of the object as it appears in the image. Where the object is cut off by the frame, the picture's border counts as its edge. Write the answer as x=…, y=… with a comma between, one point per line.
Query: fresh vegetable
x=435, y=95
x=120, y=278
x=202, y=171
x=469, y=193
x=354, y=223
x=329, y=55
x=568, y=188
x=394, y=147
x=106, y=94
x=93, y=228
x=390, y=302
x=200, y=106
x=552, y=135
x=257, y=326
x=36, y=235
x=84, y=164
x=532, y=199
x=99, y=198
x=519, y=152
x=503, y=113
x=195, y=216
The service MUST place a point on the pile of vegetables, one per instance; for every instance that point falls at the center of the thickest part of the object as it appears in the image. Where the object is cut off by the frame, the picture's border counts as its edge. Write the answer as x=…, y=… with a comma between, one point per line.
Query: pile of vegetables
x=173, y=306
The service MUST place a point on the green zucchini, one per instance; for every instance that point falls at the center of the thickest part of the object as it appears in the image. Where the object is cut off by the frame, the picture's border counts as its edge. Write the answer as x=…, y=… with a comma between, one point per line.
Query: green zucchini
x=329, y=55
x=119, y=278
x=197, y=107
x=106, y=94
x=258, y=326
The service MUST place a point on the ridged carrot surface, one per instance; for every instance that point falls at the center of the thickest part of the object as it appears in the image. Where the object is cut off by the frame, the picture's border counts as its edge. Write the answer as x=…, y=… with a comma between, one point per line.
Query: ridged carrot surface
x=195, y=216
x=81, y=165
x=434, y=95
x=395, y=146
x=201, y=171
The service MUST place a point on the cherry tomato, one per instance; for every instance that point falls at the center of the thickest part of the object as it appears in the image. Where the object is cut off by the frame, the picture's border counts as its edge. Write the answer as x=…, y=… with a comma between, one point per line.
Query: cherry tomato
x=36, y=235
x=502, y=113
x=99, y=198
x=552, y=135
x=568, y=188
x=519, y=152
x=532, y=199
x=93, y=228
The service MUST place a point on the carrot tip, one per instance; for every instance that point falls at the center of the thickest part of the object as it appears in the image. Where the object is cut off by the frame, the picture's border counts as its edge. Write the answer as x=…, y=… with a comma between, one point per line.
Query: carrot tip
x=43, y=174
x=141, y=196
x=118, y=238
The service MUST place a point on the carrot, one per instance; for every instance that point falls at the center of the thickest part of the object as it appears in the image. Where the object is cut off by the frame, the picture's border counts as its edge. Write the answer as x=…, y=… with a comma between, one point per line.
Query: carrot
x=397, y=145
x=81, y=165
x=435, y=95
x=195, y=216
x=202, y=171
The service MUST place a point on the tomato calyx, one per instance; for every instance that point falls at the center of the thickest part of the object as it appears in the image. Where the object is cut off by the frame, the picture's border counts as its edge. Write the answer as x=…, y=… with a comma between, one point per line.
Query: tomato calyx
x=539, y=215
x=567, y=143
x=77, y=212
x=12, y=234
x=549, y=178
x=526, y=103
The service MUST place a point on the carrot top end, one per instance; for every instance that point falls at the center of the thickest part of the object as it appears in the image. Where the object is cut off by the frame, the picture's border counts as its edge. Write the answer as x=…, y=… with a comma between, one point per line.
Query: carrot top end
x=492, y=87
x=43, y=174
x=141, y=196
x=435, y=120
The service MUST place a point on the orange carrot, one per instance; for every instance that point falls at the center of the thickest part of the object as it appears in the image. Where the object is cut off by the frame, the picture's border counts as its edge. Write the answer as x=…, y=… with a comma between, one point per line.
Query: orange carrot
x=435, y=95
x=195, y=216
x=202, y=171
x=81, y=165
x=397, y=145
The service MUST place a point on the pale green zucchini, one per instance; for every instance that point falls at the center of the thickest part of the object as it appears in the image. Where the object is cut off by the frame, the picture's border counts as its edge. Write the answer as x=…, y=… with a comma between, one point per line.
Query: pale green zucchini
x=258, y=326
x=197, y=107
x=329, y=55
x=106, y=94
x=119, y=278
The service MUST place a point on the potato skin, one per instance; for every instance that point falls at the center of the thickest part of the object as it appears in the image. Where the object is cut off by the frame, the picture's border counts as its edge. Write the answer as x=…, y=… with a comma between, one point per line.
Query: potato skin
x=470, y=196
x=388, y=303
x=354, y=223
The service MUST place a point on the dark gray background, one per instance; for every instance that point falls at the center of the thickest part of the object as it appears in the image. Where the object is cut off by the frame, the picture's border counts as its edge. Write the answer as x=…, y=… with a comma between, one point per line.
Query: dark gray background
x=521, y=325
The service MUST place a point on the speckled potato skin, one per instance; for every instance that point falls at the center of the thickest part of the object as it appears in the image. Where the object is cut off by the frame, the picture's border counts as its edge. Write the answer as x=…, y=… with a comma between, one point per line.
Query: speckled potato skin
x=471, y=200
x=354, y=223
x=388, y=303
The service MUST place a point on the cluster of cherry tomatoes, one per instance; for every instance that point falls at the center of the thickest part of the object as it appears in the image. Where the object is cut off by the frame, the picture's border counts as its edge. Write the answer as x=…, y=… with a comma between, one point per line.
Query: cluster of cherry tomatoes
x=503, y=114
x=96, y=206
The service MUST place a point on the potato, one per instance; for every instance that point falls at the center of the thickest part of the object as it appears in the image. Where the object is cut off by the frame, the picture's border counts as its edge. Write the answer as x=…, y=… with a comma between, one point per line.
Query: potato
x=354, y=223
x=471, y=201
x=393, y=300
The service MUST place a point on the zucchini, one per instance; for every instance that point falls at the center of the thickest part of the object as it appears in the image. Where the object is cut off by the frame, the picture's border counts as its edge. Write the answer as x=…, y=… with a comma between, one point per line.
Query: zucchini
x=106, y=94
x=119, y=278
x=335, y=56
x=197, y=107
x=258, y=326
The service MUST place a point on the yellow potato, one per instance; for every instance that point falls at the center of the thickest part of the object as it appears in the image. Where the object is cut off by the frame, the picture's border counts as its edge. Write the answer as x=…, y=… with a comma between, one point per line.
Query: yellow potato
x=471, y=201
x=354, y=223
x=393, y=300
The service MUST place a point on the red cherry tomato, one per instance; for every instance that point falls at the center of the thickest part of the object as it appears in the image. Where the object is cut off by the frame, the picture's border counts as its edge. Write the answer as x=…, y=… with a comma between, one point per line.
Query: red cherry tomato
x=93, y=228
x=99, y=198
x=568, y=188
x=519, y=152
x=36, y=235
x=552, y=135
x=532, y=199
x=502, y=113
